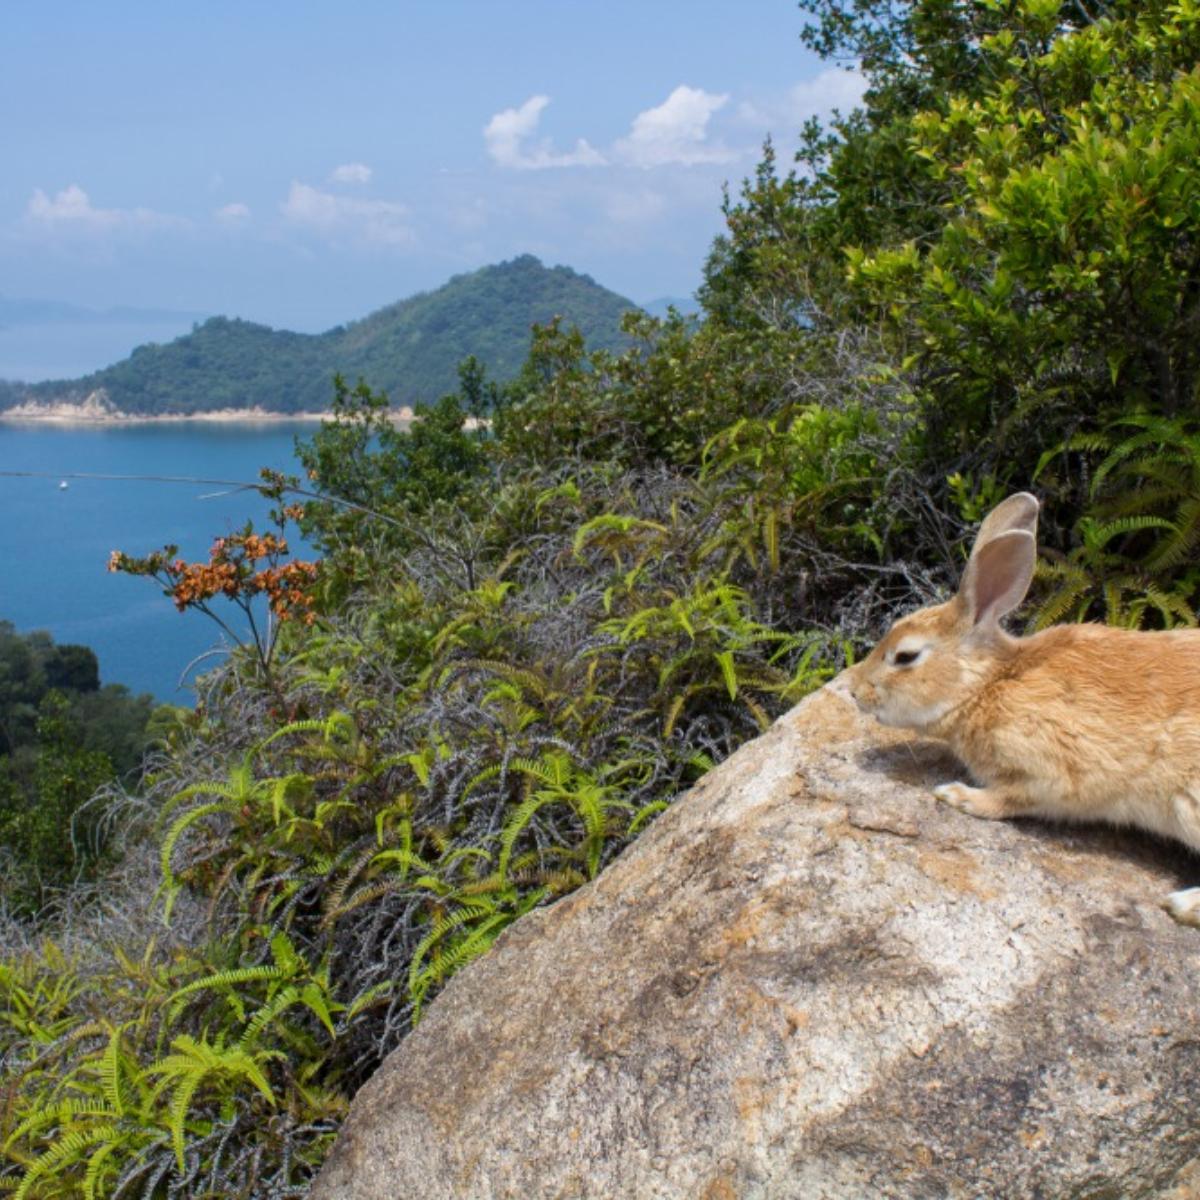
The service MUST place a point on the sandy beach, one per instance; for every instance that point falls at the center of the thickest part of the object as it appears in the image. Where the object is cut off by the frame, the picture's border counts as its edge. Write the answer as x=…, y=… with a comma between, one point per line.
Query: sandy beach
x=96, y=410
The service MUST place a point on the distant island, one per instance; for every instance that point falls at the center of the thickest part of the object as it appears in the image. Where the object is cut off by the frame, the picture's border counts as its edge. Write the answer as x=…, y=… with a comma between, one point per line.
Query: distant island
x=410, y=349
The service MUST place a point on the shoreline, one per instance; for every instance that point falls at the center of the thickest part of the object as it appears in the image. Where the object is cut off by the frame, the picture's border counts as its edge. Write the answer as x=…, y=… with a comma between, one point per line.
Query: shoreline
x=99, y=416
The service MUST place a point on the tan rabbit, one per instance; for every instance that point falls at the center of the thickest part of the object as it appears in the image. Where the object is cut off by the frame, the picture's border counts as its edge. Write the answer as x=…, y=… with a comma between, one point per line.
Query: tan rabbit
x=1076, y=723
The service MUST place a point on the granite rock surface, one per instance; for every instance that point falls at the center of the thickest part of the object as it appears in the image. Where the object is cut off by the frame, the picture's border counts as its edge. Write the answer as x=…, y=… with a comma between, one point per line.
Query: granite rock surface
x=808, y=980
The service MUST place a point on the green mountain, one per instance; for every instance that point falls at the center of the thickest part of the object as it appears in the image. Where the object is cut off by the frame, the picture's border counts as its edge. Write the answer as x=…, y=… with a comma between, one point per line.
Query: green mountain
x=410, y=349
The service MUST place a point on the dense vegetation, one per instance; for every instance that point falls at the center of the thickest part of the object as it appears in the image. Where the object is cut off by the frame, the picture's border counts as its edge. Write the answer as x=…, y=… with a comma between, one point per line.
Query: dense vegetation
x=63, y=738
x=410, y=349
x=523, y=641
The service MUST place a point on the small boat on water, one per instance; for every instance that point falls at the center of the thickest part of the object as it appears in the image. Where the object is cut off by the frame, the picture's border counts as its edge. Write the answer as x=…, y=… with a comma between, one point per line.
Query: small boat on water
x=63, y=485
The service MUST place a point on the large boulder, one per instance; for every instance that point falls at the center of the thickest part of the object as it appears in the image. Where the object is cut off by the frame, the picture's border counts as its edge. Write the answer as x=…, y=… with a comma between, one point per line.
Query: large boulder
x=809, y=980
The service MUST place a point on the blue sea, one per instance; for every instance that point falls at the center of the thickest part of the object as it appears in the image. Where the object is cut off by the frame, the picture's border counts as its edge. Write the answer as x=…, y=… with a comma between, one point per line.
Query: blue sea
x=55, y=542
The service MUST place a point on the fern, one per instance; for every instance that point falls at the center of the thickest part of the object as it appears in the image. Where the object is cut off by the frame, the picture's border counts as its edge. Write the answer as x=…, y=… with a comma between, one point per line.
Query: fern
x=68, y=1147
x=196, y=1061
x=1137, y=540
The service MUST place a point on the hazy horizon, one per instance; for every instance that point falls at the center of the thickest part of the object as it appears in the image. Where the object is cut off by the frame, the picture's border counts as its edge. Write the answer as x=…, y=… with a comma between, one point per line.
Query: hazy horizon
x=299, y=173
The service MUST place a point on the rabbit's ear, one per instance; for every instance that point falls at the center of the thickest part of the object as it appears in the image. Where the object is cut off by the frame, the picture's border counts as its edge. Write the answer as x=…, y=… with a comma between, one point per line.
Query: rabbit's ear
x=1019, y=511
x=998, y=576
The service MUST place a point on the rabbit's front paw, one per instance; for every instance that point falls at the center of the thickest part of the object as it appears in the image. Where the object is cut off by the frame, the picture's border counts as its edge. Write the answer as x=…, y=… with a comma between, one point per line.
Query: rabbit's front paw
x=1184, y=906
x=988, y=803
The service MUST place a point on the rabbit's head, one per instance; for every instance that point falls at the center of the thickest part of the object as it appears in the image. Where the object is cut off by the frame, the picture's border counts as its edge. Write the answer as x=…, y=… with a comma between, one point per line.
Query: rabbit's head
x=933, y=660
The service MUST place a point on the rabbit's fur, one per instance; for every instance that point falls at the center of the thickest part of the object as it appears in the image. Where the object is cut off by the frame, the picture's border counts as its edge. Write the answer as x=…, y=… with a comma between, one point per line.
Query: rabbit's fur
x=1077, y=723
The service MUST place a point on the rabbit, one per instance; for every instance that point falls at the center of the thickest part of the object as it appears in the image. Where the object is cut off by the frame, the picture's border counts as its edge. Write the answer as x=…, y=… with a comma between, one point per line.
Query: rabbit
x=1076, y=723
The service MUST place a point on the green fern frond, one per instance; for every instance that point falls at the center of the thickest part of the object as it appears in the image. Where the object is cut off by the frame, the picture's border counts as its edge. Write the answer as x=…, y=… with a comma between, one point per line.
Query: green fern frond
x=66, y=1150
x=180, y=826
x=95, y=1169
x=177, y=1111
x=1184, y=537
x=645, y=814
x=223, y=980
x=111, y=1068
x=440, y=928
x=267, y=1014
x=379, y=993
x=61, y=1114
x=456, y=955
x=523, y=677
x=1173, y=609
x=674, y=709
x=1088, y=443
x=724, y=660
x=193, y=1062
x=515, y=826
x=313, y=725
x=406, y=860
x=1098, y=534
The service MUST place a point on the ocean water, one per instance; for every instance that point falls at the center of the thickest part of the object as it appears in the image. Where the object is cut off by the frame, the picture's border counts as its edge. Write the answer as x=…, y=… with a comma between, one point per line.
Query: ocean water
x=55, y=542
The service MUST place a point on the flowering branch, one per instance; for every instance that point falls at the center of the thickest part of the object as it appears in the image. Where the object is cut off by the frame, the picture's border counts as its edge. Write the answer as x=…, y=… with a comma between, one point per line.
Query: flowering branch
x=241, y=567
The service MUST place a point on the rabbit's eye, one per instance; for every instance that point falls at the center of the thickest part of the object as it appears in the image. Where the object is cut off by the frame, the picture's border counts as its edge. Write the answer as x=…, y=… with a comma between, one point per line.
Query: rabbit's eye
x=905, y=658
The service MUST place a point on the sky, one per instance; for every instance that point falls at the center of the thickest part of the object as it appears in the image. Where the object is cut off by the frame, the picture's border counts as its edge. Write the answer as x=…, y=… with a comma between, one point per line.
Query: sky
x=304, y=163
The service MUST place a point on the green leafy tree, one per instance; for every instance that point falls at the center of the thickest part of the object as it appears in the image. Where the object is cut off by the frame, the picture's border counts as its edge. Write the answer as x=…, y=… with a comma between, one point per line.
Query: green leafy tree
x=1010, y=220
x=48, y=844
x=73, y=668
x=363, y=458
x=1063, y=283
x=22, y=685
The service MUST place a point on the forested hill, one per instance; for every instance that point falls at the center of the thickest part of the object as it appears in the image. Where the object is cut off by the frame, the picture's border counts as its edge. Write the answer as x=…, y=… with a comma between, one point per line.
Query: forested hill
x=410, y=349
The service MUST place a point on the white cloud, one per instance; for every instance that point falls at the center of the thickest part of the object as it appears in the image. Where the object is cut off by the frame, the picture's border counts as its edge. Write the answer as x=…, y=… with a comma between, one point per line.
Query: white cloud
x=232, y=214
x=382, y=221
x=71, y=209
x=676, y=131
x=355, y=172
x=816, y=97
x=506, y=137
x=70, y=206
